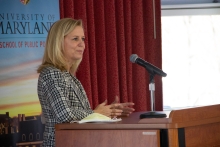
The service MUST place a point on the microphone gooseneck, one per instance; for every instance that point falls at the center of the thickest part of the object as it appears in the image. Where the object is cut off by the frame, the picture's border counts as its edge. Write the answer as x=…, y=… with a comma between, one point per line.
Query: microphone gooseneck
x=153, y=70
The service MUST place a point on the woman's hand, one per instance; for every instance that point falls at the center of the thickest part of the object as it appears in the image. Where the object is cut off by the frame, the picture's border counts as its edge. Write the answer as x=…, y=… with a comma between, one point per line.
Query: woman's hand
x=109, y=110
x=125, y=107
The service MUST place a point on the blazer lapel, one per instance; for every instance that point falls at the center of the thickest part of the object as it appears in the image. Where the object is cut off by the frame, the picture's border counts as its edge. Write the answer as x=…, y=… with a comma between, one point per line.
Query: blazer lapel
x=79, y=90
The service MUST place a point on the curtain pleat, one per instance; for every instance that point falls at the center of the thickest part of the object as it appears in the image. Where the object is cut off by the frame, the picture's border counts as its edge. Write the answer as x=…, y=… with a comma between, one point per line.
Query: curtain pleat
x=111, y=50
x=138, y=47
x=66, y=8
x=158, y=58
x=114, y=30
x=120, y=38
x=100, y=49
x=91, y=47
x=128, y=51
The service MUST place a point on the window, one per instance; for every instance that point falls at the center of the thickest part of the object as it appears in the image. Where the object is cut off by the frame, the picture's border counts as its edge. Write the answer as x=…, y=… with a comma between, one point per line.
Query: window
x=191, y=55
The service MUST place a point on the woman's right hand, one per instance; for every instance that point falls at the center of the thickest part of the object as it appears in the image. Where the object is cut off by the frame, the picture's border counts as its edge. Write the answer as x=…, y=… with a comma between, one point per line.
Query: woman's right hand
x=108, y=110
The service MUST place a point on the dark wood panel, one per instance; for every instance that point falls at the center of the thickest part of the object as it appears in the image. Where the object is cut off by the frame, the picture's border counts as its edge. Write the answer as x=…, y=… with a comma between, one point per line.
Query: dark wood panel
x=201, y=127
x=205, y=135
x=108, y=138
x=194, y=114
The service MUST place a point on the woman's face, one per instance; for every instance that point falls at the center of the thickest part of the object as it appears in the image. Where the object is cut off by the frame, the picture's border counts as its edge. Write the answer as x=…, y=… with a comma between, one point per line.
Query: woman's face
x=74, y=45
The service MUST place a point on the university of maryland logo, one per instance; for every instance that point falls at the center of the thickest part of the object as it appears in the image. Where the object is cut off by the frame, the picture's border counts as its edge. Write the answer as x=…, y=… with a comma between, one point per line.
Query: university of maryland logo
x=24, y=2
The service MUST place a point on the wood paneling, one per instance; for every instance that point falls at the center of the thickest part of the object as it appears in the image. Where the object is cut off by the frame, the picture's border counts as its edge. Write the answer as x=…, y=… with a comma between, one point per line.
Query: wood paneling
x=107, y=138
x=200, y=127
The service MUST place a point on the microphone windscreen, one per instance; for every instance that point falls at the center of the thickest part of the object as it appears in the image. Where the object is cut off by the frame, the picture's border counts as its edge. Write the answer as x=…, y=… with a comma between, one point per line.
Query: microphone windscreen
x=133, y=58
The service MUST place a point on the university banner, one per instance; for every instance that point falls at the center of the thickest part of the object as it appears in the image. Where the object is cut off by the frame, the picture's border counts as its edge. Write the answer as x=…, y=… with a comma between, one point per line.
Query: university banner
x=24, y=25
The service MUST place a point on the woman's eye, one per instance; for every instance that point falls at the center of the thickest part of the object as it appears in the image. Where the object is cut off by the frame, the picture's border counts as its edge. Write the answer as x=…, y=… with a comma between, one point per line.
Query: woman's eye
x=75, y=39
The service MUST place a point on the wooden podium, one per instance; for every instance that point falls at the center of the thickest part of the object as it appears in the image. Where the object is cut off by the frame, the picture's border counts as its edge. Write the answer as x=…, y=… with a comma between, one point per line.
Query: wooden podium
x=192, y=127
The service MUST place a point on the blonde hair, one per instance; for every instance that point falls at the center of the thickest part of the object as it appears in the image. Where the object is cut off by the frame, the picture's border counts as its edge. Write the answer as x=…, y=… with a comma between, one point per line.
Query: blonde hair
x=53, y=53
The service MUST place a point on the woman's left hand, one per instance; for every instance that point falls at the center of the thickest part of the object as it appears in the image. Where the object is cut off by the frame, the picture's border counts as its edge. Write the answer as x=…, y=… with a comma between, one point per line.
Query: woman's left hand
x=125, y=107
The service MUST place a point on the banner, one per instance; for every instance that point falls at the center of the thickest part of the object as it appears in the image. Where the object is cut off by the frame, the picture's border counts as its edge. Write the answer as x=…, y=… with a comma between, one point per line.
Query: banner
x=24, y=25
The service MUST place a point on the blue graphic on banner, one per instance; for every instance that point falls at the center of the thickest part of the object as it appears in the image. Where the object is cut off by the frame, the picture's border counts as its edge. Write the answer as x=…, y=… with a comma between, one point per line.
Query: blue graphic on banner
x=24, y=25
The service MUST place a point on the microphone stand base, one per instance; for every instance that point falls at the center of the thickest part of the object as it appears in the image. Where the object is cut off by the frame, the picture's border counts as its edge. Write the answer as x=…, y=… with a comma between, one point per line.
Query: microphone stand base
x=153, y=114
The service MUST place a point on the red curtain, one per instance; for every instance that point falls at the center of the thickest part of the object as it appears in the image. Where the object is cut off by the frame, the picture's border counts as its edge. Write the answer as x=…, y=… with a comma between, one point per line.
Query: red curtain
x=116, y=29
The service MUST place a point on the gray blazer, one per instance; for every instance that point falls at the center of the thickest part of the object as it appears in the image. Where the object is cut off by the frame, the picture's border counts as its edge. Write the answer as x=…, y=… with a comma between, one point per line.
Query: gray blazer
x=63, y=100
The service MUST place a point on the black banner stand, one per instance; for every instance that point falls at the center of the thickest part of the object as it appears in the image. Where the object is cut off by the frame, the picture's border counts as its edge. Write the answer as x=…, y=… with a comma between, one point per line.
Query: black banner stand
x=152, y=113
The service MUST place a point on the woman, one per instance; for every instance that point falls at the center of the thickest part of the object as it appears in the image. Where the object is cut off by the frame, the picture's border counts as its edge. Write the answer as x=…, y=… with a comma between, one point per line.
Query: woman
x=62, y=97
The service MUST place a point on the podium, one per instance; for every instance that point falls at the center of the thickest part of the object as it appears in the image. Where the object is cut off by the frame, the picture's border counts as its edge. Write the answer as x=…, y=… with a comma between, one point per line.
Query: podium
x=191, y=127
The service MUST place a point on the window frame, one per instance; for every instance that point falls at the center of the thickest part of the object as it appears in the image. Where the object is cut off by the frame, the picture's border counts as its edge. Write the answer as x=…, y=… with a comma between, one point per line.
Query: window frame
x=190, y=9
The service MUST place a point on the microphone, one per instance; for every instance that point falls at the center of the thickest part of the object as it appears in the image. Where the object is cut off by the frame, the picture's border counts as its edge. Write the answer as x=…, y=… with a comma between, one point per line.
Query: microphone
x=151, y=68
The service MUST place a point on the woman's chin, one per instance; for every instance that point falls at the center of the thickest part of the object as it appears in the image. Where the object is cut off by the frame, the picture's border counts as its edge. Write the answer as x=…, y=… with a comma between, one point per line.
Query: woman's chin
x=78, y=58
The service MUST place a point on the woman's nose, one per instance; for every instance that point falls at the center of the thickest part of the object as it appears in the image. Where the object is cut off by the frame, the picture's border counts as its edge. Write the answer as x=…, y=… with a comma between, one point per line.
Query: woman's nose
x=81, y=43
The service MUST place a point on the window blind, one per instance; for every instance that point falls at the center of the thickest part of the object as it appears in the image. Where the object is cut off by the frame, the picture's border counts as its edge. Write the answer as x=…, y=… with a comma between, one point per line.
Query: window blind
x=177, y=2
